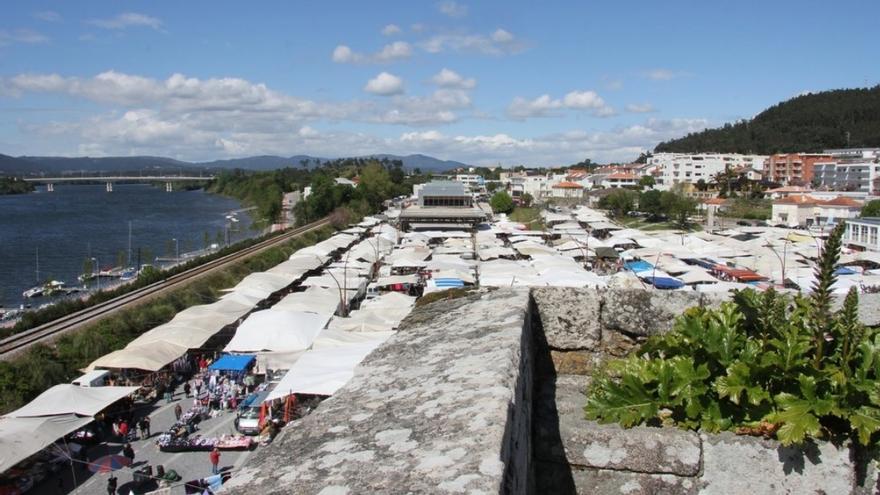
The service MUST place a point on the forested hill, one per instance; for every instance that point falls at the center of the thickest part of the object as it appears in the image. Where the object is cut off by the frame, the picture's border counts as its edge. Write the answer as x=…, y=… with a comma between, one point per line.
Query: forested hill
x=843, y=118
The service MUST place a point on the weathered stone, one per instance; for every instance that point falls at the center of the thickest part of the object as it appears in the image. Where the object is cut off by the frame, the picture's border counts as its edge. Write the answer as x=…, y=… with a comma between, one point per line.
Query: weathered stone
x=640, y=449
x=736, y=464
x=556, y=400
x=644, y=312
x=570, y=316
x=575, y=362
x=443, y=407
x=600, y=481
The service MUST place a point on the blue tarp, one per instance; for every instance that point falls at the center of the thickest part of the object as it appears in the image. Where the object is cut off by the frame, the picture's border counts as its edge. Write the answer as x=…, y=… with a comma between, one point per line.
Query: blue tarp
x=232, y=362
x=638, y=266
x=664, y=282
x=448, y=282
x=844, y=271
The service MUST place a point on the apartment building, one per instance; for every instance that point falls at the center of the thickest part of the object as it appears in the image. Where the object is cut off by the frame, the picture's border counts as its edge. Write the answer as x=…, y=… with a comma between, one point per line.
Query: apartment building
x=793, y=168
x=689, y=168
x=849, y=174
x=803, y=210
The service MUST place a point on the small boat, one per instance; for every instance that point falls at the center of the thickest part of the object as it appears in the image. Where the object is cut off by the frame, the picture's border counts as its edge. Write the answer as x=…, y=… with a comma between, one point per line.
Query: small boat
x=48, y=289
x=33, y=292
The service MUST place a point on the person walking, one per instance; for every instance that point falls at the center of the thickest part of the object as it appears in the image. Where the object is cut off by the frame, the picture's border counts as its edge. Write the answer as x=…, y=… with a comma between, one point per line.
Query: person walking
x=123, y=430
x=186, y=389
x=147, y=425
x=215, y=460
x=178, y=411
x=128, y=452
x=111, y=485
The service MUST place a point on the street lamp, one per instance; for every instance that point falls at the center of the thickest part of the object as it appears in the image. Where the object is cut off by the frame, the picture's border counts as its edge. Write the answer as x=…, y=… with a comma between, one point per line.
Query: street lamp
x=342, y=293
x=781, y=259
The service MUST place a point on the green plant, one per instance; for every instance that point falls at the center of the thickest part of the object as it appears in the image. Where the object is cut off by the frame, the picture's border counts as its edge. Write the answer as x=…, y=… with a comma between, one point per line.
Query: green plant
x=762, y=363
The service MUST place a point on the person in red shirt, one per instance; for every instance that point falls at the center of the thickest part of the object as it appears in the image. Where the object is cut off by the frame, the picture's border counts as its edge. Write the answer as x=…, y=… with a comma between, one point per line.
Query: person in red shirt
x=203, y=364
x=215, y=460
x=123, y=430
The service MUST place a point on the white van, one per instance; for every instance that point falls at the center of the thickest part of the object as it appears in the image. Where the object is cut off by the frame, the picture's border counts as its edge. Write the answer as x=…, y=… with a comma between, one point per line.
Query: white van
x=95, y=378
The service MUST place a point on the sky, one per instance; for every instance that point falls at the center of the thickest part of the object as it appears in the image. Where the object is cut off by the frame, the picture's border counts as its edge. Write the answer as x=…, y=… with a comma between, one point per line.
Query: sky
x=486, y=83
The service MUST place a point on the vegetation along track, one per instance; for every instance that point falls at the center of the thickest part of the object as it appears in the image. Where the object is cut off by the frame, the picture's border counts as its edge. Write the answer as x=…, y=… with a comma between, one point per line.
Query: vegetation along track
x=19, y=342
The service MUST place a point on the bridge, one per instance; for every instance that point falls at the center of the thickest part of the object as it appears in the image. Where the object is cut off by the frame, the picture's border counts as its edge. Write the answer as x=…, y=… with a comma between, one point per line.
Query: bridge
x=169, y=180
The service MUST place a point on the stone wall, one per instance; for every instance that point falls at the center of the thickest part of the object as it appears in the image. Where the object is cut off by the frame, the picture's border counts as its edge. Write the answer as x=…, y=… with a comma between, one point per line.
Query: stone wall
x=442, y=407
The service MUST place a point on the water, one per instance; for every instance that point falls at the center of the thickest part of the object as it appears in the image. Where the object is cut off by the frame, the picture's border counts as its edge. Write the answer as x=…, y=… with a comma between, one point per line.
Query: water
x=77, y=222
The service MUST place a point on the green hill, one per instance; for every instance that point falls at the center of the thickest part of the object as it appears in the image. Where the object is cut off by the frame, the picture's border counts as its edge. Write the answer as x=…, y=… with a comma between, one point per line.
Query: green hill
x=842, y=118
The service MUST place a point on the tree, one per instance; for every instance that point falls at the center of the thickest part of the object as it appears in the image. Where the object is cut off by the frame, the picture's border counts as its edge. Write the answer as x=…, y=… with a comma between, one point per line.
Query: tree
x=491, y=186
x=871, y=209
x=701, y=185
x=619, y=202
x=647, y=181
x=678, y=207
x=649, y=202
x=526, y=200
x=501, y=202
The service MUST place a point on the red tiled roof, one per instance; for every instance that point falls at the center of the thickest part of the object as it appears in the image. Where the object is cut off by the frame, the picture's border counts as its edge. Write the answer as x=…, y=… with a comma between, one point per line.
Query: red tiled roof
x=715, y=201
x=788, y=189
x=568, y=185
x=841, y=201
x=797, y=199
x=623, y=175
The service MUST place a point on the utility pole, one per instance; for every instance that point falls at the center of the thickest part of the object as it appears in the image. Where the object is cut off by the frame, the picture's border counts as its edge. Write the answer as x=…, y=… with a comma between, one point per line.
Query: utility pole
x=129, y=243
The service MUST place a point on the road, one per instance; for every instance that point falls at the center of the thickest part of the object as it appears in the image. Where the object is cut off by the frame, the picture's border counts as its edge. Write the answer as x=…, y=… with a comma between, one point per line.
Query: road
x=14, y=345
x=189, y=465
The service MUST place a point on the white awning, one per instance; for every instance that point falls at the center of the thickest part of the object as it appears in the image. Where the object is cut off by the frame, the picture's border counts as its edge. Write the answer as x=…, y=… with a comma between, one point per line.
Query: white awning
x=72, y=399
x=149, y=357
x=21, y=438
x=323, y=371
x=276, y=330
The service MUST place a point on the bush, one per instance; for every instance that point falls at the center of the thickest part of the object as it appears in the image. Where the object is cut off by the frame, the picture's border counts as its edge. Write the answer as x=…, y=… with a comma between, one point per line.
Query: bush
x=501, y=202
x=765, y=363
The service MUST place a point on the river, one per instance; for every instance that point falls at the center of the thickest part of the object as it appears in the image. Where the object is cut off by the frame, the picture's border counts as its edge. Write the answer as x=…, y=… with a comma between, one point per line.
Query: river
x=78, y=222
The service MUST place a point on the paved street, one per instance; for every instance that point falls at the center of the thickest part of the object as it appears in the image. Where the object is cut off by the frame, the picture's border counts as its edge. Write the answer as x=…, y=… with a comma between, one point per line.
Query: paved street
x=189, y=465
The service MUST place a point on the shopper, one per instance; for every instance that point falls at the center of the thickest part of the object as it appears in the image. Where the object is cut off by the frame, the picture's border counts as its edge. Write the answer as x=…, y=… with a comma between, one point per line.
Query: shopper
x=128, y=452
x=123, y=430
x=147, y=425
x=111, y=485
x=178, y=411
x=186, y=389
x=215, y=460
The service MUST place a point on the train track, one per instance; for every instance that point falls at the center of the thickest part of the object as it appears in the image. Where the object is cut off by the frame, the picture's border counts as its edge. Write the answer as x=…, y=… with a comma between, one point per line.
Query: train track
x=19, y=342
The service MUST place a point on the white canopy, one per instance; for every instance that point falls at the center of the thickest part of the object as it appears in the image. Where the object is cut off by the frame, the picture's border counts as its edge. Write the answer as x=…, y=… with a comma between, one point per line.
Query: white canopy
x=149, y=357
x=275, y=330
x=314, y=299
x=72, y=399
x=323, y=371
x=697, y=277
x=21, y=438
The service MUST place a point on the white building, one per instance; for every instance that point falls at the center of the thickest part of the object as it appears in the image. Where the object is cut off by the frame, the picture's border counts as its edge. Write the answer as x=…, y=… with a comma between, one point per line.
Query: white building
x=690, y=168
x=473, y=182
x=862, y=234
x=857, y=174
x=620, y=179
x=537, y=186
x=803, y=210
x=568, y=190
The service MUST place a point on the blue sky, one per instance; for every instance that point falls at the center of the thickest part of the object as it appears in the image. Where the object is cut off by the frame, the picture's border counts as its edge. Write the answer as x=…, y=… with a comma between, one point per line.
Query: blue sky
x=508, y=82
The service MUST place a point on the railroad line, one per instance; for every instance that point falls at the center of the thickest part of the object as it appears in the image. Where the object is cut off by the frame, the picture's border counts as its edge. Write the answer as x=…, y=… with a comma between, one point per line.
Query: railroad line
x=19, y=342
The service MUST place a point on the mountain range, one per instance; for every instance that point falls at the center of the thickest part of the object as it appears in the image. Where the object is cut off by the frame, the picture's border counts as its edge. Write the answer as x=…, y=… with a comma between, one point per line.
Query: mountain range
x=37, y=165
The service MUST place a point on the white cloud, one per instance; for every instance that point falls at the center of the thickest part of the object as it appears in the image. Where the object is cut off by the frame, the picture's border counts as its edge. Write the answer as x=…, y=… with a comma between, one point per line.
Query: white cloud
x=23, y=36
x=48, y=16
x=640, y=108
x=664, y=74
x=545, y=106
x=391, y=29
x=500, y=42
x=450, y=79
x=452, y=9
x=385, y=84
x=127, y=20
x=391, y=52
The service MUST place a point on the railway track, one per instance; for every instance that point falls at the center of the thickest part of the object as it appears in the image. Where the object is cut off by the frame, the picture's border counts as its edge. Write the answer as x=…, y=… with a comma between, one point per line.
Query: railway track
x=19, y=342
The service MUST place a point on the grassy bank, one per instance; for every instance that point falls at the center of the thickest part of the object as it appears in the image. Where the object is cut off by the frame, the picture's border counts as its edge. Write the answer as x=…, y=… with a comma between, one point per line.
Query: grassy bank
x=42, y=366
x=531, y=217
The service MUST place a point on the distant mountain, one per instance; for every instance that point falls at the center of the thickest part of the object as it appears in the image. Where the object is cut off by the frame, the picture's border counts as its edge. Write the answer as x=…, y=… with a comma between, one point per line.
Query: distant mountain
x=841, y=118
x=32, y=165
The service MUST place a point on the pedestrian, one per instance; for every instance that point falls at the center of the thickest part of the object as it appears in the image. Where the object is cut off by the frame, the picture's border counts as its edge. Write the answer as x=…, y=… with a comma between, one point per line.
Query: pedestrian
x=186, y=389
x=147, y=425
x=123, y=430
x=128, y=452
x=111, y=485
x=198, y=387
x=140, y=428
x=215, y=460
x=178, y=411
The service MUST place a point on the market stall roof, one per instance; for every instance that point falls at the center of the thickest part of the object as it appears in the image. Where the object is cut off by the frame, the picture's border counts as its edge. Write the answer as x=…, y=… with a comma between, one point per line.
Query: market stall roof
x=323, y=371
x=697, y=277
x=149, y=357
x=232, y=362
x=276, y=330
x=21, y=438
x=72, y=399
x=397, y=279
x=664, y=282
x=606, y=253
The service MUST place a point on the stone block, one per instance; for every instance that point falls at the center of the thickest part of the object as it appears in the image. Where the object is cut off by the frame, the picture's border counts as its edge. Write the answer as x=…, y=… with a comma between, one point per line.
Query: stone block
x=640, y=449
x=644, y=312
x=601, y=481
x=570, y=316
x=738, y=464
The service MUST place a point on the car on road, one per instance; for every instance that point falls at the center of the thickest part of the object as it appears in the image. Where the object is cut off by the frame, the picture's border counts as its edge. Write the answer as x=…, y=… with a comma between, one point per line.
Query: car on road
x=248, y=420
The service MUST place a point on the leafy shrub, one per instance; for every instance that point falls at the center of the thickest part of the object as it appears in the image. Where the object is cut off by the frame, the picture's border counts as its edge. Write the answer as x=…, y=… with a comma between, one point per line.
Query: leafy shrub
x=764, y=363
